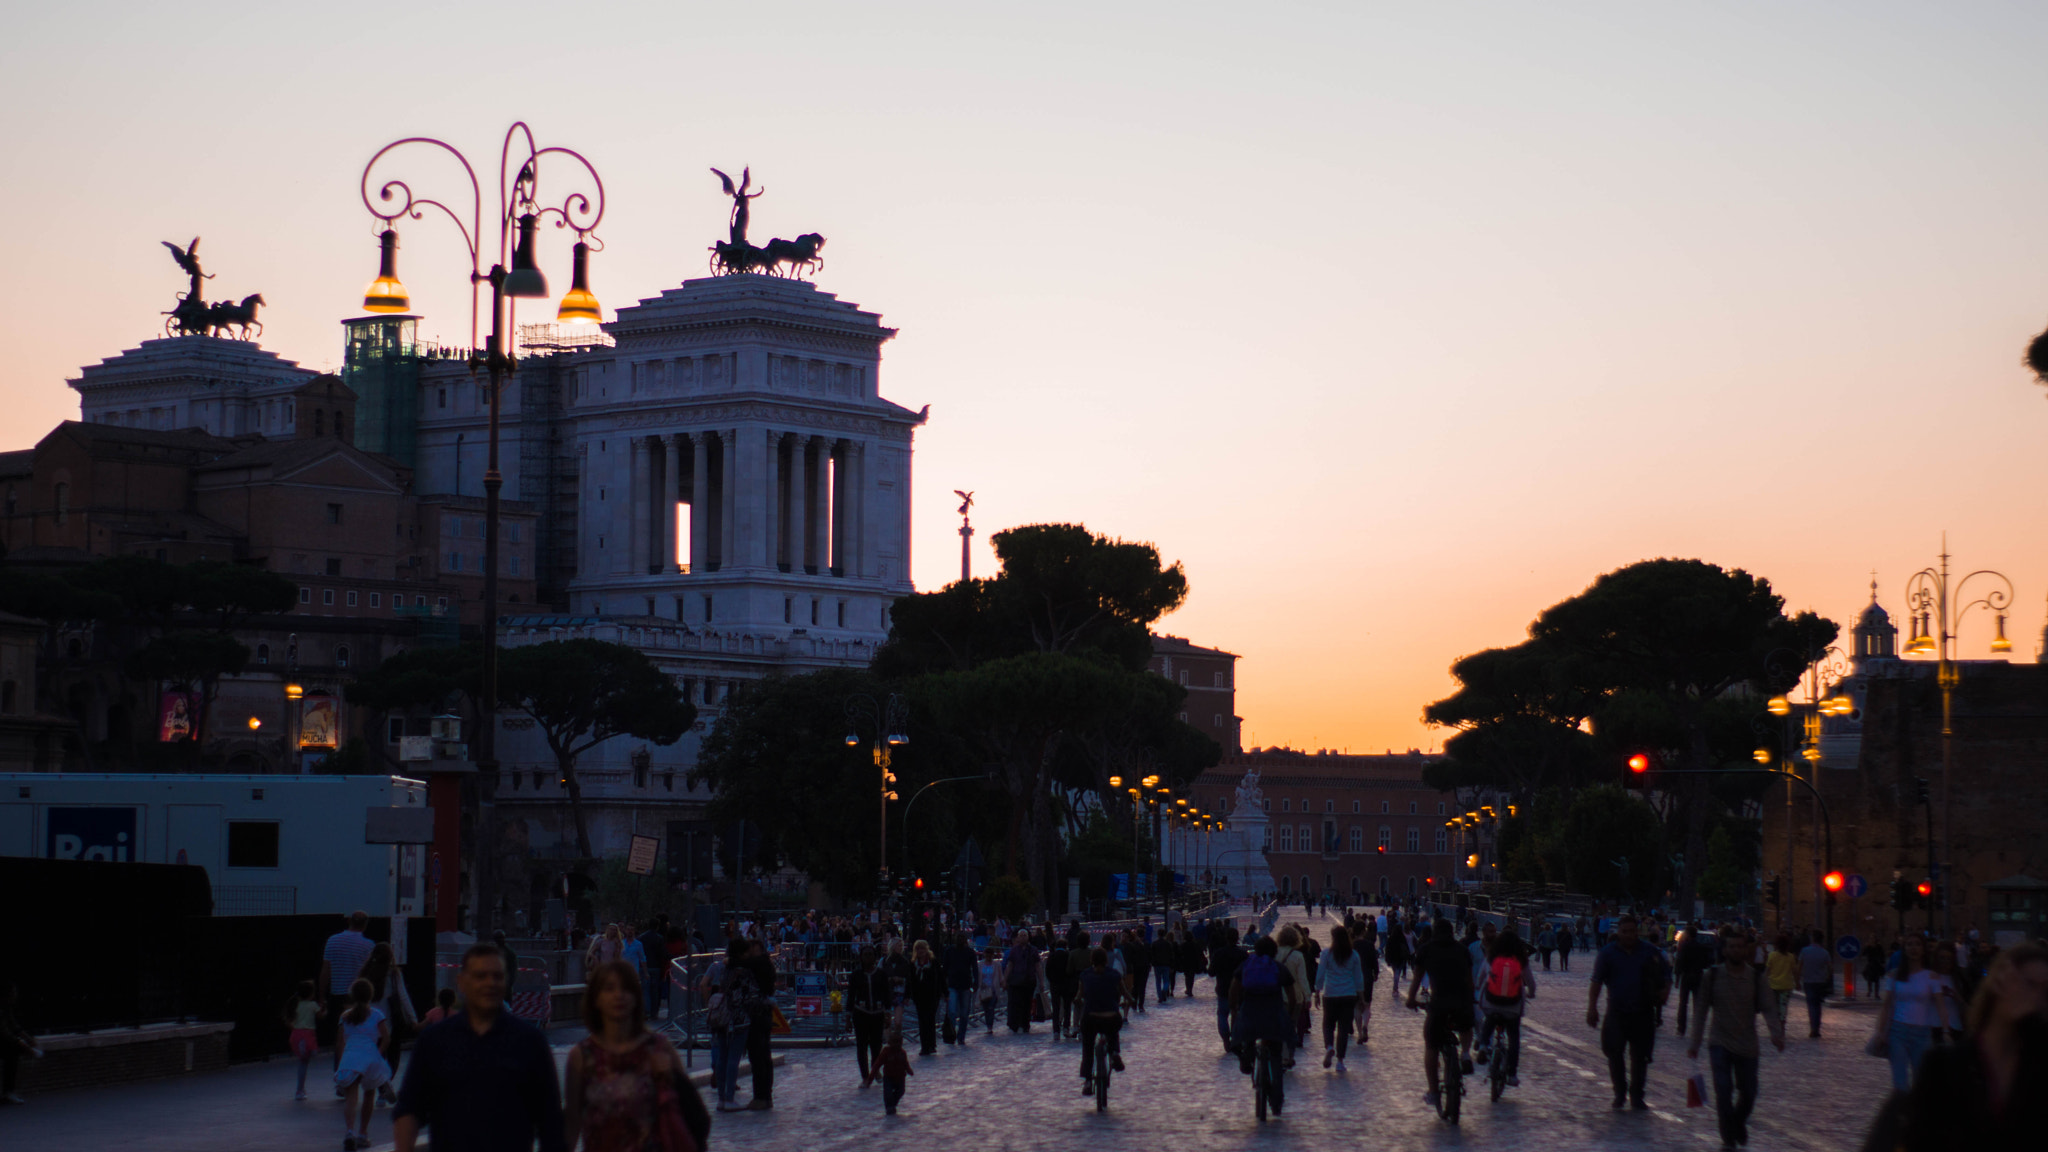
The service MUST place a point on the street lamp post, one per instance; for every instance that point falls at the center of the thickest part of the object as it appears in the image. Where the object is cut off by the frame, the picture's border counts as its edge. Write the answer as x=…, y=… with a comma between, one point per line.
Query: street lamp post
x=1820, y=670
x=519, y=212
x=1137, y=791
x=887, y=719
x=1932, y=600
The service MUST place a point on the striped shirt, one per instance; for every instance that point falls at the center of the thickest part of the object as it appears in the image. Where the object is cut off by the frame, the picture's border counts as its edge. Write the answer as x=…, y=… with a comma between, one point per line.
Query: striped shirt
x=345, y=952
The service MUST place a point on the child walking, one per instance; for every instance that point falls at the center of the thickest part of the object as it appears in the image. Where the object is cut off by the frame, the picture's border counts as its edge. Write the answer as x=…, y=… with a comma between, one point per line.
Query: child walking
x=300, y=1016
x=894, y=1065
x=363, y=1031
x=443, y=1008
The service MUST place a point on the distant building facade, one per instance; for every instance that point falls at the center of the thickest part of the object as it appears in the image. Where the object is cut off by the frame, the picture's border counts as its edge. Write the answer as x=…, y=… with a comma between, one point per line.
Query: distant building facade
x=1210, y=676
x=1331, y=815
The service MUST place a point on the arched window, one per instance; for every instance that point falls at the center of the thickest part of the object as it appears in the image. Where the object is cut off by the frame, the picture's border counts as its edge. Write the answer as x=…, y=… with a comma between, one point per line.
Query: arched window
x=63, y=502
x=1283, y=885
x=341, y=656
x=263, y=653
x=1287, y=805
x=1305, y=889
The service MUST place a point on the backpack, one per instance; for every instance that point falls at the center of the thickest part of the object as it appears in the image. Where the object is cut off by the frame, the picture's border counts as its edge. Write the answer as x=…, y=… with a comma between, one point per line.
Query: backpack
x=1504, y=983
x=1260, y=974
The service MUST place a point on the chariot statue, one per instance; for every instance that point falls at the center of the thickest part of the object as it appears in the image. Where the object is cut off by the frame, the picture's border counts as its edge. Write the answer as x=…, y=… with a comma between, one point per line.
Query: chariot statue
x=735, y=255
x=193, y=316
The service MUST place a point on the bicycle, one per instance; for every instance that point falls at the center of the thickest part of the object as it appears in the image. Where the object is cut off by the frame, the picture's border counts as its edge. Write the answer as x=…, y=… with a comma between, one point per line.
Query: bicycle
x=1451, y=1082
x=1503, y=1057
x=1102, y=1073
x=1268, y=1087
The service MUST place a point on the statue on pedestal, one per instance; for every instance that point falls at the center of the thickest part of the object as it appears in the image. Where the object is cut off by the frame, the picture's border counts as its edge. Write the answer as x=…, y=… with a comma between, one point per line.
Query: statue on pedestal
x=735, y=255
x=193, y=316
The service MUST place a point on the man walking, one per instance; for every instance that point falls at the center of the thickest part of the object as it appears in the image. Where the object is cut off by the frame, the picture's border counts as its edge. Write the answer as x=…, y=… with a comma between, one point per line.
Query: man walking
x=1638, y=982
x=481, y=1080
x=341, y=961
x=1733, y=994
x=1816, y=978
x=1695, y=956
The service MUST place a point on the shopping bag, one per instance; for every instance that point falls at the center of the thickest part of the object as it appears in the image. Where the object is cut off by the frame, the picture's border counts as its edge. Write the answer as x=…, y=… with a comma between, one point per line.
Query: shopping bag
x=1696, y=1090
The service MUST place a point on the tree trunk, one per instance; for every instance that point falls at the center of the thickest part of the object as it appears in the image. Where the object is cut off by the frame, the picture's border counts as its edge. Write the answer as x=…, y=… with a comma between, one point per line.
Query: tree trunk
x=567, y=766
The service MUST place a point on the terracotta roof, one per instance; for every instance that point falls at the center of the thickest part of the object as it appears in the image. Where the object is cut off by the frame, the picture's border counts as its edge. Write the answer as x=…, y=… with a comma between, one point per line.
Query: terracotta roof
x=179, y=438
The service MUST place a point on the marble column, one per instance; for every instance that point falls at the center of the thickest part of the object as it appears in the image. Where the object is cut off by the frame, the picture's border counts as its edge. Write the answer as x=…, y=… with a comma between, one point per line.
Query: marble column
x=728, y=501
x=800, y=504
x=857, y=509
x=636, y=515
x=700, y=505
x=821, y=506
x=671, y=495
x=771, y=500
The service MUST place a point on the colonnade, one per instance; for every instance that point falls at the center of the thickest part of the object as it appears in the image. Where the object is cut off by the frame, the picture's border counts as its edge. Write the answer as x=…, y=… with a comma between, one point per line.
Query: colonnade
x=758, y=497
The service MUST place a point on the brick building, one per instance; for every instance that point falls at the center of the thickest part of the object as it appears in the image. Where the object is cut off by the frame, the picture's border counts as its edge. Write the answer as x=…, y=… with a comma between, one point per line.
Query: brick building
x=1333, y=814
x=1210, y=676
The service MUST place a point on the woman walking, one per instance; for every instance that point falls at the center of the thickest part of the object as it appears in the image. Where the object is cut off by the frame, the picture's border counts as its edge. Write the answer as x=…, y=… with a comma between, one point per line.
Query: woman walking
x=1565, y=942
x=361, y=1034
x=867, y=1005
x=626, y=1091
x=1782, y=968
x=927, y=987
x=1340, y=982
x=1546, y=943
x=1911, y=1008
x=1397, y=954
x=730, y=1016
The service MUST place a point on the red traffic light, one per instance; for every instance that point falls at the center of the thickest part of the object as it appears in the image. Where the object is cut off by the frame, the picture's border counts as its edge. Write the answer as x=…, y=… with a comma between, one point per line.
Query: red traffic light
x=918, y=883
x=1639, y=763
x=1383, y=849
x=1924, y=888
x=1833, y=881
x=1429, y=880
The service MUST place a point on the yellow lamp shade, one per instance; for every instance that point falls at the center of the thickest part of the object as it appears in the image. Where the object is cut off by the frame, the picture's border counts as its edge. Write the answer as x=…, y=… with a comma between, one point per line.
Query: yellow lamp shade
x=1116, y=781
x=1811, y=752
x=1778, y=706
x=385, y=293
x=1761, y=755
x=2001, y=644
x=579, y=306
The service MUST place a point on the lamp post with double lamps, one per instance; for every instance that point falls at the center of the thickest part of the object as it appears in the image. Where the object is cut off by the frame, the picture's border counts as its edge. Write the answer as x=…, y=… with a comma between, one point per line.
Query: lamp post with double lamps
x=1937, y=602
x=513, y=274
x=1137, y=790
x=1820, y=670
x=887, y=719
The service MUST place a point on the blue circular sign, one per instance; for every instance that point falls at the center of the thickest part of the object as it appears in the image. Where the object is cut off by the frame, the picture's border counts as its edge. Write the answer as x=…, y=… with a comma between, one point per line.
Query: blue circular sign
x=1848, y=947
x=1855, y=886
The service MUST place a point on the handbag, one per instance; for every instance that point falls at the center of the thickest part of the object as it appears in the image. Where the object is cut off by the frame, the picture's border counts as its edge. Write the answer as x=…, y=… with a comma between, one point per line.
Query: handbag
x=676, y=1128
x=1696, y=1090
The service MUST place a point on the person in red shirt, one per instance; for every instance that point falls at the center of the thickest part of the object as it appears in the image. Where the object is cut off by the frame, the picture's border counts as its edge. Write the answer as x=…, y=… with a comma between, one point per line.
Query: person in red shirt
x=894, y=1065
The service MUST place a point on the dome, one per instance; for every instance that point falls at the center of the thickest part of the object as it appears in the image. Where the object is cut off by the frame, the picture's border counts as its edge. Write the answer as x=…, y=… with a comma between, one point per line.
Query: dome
x=1874, y=617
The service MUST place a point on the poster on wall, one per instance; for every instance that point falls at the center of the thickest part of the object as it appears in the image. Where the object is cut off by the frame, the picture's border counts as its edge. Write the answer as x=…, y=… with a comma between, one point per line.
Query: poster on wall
x=175, y=715
x=319, y=722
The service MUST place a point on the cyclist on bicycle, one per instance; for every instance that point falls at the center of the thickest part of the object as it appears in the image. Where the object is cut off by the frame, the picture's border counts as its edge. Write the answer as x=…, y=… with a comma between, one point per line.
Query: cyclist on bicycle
x=1100, y=996
x=1448, y=968
x=1259, y=1003
x=1510, y=984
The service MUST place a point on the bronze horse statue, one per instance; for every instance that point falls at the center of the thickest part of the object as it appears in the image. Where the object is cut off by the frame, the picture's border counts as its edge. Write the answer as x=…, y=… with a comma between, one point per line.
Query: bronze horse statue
x=195, y=317
x=787, y=258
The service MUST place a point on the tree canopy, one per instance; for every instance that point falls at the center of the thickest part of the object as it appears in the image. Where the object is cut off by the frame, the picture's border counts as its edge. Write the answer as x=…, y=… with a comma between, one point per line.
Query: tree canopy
x=1672, y=658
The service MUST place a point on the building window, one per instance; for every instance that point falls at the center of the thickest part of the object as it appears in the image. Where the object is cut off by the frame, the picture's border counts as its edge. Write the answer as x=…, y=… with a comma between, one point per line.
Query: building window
x=394, y=729
x=417, y=602
x=334, y=513
x=63, y=502
x=789, y=610
x=327, y=597
x=1308, y=839
x=1268, y=837
x=1412, y=806
x=1182, y=677
x=351, y=597
x=1286, y=838
x=439, y=602
x=1222, y=680
x=514, y=562
x=1384, y=808
x=1267, y=805
x=1357, y=838
x=1440, y=808
x=441, y=398
x=263, y=653
x=252, y=844
x=305, y=595
x=814, y=611
x=842, y=613
x=1354, y=808
x=707, y=607
x=376, y=599
x=1415, y=839
x=1287, y=805
x=455, y=561
x=1304, y=884
x=1329, y=805
x=1443, y=840
x=1386, y=836
x=341, y=656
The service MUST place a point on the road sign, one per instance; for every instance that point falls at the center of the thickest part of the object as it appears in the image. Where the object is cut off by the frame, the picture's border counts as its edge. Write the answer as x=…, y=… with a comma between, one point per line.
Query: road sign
x=640, y=860
x=1848, y=947
x=1856, y=886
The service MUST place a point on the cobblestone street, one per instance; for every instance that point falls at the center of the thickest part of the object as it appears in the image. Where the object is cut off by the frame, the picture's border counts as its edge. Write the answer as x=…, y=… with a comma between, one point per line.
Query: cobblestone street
x=1005, y=1092
x=1023, y=1092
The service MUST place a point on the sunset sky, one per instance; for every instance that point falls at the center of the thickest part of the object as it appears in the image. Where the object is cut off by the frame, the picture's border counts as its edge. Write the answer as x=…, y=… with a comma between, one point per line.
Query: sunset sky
x=1393, y=323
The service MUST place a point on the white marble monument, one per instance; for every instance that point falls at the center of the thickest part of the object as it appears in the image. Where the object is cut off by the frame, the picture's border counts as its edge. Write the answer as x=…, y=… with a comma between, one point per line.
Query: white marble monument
x=1241, y=846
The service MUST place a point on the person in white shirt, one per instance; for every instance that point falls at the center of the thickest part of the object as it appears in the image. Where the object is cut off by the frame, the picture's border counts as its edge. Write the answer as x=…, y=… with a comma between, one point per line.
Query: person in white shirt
x=1916, y=1000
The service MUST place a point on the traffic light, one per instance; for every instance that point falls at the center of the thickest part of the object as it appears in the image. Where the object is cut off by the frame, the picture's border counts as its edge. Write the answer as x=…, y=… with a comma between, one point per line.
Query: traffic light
x=1833, y=882
x=1920, y=793
x=1639, y=763
x=1383, y=850
x=1774, y=892
x=1925, y=891
x=918, y=883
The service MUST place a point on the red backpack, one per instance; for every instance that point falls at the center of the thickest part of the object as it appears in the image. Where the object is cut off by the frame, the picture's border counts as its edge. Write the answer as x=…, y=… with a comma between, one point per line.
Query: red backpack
x=1504, y=982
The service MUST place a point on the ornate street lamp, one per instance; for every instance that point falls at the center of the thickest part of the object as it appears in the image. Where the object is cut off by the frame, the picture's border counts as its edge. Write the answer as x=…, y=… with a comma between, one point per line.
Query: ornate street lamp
x=513, y=273
x=1934, y=599
x=887, y=719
